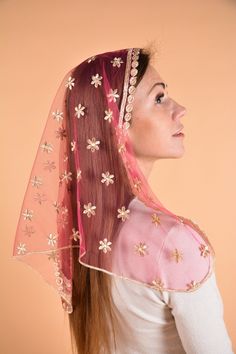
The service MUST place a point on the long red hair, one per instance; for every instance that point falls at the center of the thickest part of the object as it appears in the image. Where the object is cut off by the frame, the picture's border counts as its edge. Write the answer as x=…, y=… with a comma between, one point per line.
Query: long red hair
x=93, y=323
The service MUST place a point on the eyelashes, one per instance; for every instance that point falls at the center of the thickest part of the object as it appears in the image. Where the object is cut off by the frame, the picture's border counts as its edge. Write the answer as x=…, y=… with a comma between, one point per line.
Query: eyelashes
x=158, y=98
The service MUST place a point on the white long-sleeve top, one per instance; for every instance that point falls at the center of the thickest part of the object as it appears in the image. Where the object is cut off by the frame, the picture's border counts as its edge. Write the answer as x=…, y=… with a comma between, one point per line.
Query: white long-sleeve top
x=171, y=322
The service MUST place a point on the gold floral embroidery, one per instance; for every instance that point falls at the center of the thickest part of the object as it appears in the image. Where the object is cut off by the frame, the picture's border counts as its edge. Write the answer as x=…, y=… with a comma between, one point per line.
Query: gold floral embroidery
x=107, y=178
x=91, y=59
x=73, y=144
x=40, y=198
x=36, y=181
x=122, y=148
x=49, y=165
x=28, y=214
x=60, y=133
x=93, y=144
x=113, y=95
x=66, y=176
x=177, y=255
x=58, y=116
x=204, y=250
x=47, y=147
x=78, y=175
x=123, y=214
x=108, y=115
x=70, y=83
x=89, y=209
x=28, y=230
x=192, y=285
x=158, y=284
x=96, y=80
x=79, y=110
x=75, y=234
x=155, y=219
x=52, y=255
x=105, y=245
x=137, y=184
x=117, y=62
x=65, y=157
x=141, y=248
x=21, y=249
x=52, y=239
x=57, y=206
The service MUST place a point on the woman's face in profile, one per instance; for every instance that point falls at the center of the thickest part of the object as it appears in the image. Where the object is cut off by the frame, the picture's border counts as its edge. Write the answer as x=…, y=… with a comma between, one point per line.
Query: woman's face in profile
x=155, y=118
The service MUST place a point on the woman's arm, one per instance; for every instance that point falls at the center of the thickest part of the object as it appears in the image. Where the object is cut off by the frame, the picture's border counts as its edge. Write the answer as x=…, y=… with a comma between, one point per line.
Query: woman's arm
x=199, y=319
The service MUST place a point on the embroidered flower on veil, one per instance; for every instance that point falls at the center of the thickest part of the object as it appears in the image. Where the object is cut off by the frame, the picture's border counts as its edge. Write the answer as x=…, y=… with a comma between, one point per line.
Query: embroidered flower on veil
x=117, y=62
x=93, y=144
x=96, y=80
x=79, y=110
x=107, y=178
x=105, y=245
x=113, y=95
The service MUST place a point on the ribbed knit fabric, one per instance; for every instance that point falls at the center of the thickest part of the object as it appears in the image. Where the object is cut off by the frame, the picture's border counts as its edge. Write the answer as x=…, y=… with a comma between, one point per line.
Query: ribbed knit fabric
x=172, y=323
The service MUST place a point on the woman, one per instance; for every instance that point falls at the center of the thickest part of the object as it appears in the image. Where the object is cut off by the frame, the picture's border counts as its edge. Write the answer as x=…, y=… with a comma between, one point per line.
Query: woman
x=90, y=213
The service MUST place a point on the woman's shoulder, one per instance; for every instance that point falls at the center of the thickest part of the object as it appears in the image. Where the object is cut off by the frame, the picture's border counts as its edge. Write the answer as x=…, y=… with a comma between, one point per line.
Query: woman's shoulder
x=176, y=252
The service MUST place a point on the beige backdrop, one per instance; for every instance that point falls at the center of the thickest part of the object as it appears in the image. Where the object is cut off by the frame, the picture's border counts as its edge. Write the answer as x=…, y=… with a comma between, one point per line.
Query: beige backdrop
x=41, y=40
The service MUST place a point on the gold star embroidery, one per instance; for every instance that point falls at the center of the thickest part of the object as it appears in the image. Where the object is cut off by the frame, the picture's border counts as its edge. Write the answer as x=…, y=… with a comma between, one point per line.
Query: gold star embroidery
x=177, y=255
x=79, y=110
x=52, y=239
x=121, y=148
x=155, y=219
x=141, y=248
x=137, y=184
x=96, y=80
x=52, y=255
x=28, y=230
x=61, y=133
x=158, y=284
x=49, y=165
x=70, y=83
x=108, y=115
x=28, y=214
x=89, y=209
x=73, y=144
x=204, y=250
x=105, y=245
x=117, y=62
x=192, y=285
x=21, y=249
x=107, y=178
x=36, y=181
x=40, y=198
x=58, y=116
x=91, y=59
x=78, y=176
x=57, y=206
x=76, y=235
x=123, y=214
x=93, y=144
x=113, y=95
x=66, y=177
x=47, y=147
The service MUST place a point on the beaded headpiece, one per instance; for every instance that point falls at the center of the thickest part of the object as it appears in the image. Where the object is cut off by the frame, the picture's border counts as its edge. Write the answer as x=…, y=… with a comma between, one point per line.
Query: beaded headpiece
x=87, y=200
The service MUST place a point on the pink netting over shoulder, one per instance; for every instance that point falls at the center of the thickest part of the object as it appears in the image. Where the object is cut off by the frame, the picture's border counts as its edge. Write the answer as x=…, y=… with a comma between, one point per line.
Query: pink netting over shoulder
x=87, y=200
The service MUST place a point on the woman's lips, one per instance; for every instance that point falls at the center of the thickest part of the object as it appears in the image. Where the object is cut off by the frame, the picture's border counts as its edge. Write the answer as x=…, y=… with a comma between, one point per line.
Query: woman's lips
x=179, y=135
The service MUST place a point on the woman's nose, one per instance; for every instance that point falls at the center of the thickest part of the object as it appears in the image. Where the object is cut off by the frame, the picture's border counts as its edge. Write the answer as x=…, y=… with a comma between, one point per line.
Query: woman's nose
x=180, y=111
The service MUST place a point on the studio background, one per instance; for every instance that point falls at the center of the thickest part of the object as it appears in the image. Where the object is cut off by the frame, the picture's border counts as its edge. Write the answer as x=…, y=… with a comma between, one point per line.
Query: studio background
x=40, y=42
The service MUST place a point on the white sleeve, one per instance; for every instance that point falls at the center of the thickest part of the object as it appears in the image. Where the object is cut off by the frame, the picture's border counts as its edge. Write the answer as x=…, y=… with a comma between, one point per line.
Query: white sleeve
x=199, y=319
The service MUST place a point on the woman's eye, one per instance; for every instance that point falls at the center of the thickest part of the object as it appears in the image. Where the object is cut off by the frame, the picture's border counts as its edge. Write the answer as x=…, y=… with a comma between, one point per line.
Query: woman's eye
x=158, y=98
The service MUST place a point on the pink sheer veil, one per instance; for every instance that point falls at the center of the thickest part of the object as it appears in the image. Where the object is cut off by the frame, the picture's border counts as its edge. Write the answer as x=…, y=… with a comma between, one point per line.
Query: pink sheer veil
x=71, y=192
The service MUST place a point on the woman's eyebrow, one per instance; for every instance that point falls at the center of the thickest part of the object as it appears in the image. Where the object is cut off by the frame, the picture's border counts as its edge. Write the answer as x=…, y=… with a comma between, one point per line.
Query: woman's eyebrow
x=158, y=83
